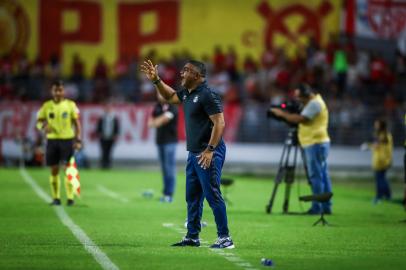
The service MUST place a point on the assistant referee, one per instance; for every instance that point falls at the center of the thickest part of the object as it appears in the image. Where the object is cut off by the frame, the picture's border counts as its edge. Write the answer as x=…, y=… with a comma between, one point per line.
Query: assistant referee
x=58, y=118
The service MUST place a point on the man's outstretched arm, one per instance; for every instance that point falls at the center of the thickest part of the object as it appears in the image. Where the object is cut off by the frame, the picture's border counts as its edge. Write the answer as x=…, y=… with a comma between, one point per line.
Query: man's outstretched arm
x=167, y=92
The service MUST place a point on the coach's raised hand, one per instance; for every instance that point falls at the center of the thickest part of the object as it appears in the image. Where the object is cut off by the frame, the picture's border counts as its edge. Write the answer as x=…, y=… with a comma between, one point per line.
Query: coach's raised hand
x=150, y=70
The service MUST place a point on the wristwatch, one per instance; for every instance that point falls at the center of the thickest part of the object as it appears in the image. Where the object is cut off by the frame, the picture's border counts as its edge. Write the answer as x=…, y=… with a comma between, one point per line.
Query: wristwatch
x=156, y=81
x=211, y=147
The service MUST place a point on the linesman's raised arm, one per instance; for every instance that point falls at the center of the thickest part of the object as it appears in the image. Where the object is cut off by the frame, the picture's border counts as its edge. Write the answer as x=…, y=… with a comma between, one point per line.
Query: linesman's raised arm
x=167, y=92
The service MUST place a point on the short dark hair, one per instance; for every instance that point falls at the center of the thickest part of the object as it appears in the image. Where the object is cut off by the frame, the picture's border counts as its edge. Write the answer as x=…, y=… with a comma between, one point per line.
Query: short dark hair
x=383, y=125
x=57, y=83
x=200, y=66
x=305, y=90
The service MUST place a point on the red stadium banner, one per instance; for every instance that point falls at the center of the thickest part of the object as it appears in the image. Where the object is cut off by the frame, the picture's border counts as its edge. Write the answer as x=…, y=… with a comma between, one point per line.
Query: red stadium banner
x=125, y=29
x=17, y=120
x=381, y=19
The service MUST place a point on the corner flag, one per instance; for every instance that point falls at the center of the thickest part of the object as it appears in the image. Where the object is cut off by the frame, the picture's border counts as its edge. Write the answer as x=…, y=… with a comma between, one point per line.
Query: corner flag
x=72, y=174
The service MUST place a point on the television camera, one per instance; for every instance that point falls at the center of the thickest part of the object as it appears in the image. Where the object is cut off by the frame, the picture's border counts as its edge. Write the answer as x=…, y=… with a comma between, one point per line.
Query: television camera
x=291, y=106
x=288, y=160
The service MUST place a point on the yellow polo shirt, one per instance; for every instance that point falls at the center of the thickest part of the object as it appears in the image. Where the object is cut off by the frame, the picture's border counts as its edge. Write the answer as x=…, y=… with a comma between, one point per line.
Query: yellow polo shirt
x=59, y=116
x=315, y=130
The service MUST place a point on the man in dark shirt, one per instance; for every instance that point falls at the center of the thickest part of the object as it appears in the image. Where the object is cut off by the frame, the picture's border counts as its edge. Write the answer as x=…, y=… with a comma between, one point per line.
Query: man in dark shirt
x=204, y=122
x=107, y=131
x=165, y=119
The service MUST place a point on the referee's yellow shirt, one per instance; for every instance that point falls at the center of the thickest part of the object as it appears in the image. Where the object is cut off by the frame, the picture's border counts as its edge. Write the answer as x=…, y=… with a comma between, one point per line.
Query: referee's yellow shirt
x=59, y=116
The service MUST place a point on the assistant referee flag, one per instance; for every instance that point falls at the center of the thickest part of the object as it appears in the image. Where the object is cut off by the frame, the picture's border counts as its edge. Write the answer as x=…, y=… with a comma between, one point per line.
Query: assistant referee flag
x=72, y=173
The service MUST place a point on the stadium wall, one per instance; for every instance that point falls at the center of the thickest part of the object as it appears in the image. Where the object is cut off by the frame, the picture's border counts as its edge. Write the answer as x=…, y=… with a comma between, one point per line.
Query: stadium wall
x=136, y=140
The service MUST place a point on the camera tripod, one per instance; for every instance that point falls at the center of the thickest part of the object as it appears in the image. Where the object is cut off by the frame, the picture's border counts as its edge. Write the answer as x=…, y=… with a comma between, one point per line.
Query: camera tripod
x=286, y=170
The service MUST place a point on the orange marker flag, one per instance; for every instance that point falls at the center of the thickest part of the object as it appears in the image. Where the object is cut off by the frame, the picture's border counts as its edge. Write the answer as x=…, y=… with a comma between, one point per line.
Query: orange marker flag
x=72, y=173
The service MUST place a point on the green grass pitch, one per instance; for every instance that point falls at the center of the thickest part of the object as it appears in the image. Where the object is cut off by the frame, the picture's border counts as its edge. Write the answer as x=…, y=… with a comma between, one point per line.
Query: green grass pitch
x=129, y=228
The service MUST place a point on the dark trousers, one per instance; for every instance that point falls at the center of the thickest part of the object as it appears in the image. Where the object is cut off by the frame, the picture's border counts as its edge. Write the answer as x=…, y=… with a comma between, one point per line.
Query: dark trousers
x=404, y=168
x=205, y=183
x=106, y=146
x=382, y=185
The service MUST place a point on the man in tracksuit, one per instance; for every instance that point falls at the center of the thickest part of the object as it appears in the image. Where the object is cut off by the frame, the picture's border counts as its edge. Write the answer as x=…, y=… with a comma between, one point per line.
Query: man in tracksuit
x=204, y=122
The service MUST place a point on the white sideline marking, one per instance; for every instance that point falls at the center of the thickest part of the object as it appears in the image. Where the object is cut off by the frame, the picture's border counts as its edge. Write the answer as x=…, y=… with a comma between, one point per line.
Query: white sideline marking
x=87, y=243
x=231, y=257
x=112, y=194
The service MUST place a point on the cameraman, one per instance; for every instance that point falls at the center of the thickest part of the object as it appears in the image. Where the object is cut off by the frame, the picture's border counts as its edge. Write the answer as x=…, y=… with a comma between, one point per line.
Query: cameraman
x=314, y=139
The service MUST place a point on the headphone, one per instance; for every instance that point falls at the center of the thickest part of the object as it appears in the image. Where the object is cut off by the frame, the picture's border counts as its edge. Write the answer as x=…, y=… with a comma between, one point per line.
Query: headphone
x=305, y=90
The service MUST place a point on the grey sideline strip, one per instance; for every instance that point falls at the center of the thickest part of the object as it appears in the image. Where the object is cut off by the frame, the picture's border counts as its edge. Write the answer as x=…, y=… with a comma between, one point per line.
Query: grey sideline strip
x=112, y=194
x=87, y=243
x=231, y=257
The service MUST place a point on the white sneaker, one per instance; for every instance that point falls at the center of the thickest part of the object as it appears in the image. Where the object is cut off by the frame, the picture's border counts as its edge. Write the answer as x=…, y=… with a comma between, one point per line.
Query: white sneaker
x=224, y=242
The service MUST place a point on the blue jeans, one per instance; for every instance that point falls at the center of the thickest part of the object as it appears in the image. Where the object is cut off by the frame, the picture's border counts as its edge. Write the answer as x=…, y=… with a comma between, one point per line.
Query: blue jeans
x=316, y=162
x=167, y=159
x=205, y=183
x=382, y=185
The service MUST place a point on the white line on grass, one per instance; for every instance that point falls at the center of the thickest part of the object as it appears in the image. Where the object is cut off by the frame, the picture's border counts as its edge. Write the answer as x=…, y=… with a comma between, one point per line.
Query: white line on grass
x=87, y=243
x=112, y=194
x=231, y=257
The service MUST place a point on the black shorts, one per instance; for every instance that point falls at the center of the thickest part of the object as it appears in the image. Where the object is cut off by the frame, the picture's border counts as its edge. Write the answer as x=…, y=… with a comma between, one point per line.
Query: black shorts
x=59, y=151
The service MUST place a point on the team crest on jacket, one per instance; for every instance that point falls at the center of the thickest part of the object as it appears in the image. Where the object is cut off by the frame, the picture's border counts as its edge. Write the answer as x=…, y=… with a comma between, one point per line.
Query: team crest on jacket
x=195, y=99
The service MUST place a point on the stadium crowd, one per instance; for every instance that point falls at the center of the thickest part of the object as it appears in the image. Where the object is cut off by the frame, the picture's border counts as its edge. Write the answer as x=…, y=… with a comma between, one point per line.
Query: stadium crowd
x=355, y=83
